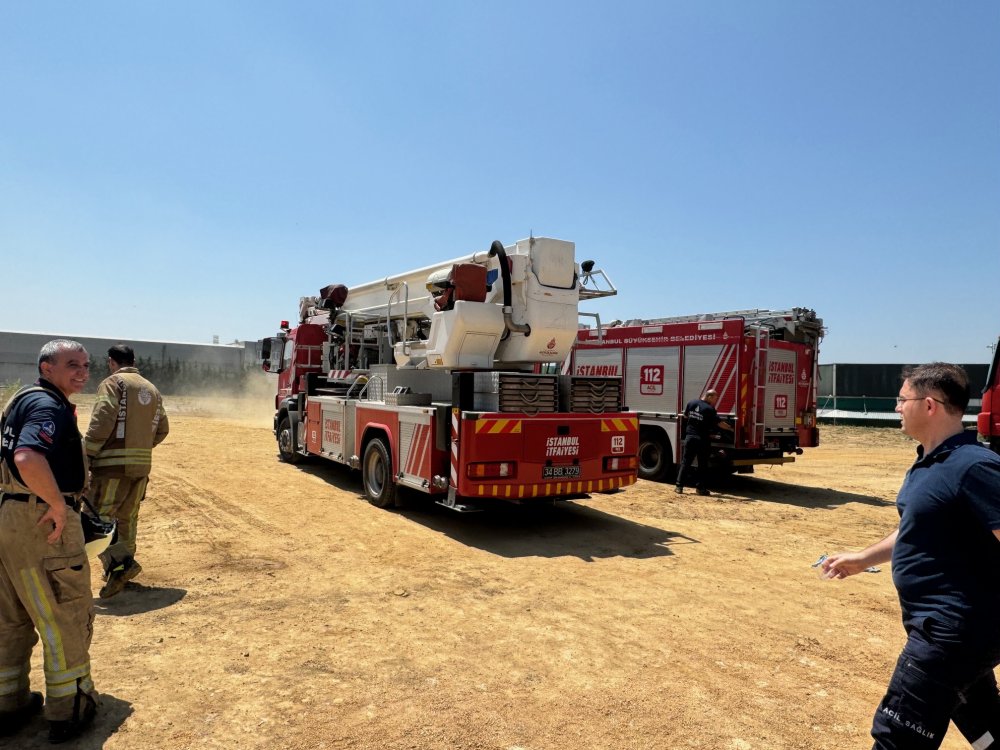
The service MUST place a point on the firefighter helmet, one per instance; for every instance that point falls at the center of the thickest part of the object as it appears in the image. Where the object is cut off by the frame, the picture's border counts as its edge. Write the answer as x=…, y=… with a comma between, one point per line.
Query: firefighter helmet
x=97, y=533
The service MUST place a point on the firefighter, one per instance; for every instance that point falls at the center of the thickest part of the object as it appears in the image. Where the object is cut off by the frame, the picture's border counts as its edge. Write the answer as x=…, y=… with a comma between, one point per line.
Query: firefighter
x=127, y=421
x=44, y=572
x=700, y=419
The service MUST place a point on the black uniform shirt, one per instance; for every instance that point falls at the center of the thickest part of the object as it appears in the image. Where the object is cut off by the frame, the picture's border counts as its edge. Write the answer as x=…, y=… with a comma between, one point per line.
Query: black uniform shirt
x=45, y=421
x=700, y=419
x=946, y=559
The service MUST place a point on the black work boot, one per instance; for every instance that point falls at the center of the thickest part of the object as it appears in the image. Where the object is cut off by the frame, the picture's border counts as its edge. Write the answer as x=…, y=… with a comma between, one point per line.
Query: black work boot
x=12, y=721
x=84, y=711
x=118, y=576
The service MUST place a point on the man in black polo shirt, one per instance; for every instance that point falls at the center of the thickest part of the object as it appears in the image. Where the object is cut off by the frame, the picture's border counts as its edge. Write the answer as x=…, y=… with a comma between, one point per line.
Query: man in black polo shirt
x=946, y=567
x=700, y=419
x=44, y=571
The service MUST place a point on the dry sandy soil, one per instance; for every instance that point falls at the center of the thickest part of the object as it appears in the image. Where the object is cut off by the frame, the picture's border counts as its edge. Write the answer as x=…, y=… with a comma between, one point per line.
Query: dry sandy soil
x=278, y=609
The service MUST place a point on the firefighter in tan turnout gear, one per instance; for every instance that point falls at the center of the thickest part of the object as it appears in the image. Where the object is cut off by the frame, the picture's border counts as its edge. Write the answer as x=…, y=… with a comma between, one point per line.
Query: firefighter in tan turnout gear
x=127, y=421
x=44, y=571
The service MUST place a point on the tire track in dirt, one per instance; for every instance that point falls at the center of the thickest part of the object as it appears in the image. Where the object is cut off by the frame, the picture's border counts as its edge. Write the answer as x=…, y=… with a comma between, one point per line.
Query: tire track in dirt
x=180, y=509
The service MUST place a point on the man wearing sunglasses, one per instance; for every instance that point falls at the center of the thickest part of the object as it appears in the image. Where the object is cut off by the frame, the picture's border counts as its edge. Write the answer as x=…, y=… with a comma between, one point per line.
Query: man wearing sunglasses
x=945, y=557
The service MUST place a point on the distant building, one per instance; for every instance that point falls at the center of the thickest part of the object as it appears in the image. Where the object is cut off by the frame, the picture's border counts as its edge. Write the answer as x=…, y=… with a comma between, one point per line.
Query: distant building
x=19, y=357
x=866, y=394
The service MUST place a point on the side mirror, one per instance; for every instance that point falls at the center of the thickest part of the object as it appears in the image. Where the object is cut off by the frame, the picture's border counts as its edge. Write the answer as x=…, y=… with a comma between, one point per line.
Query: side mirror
x=270, y=354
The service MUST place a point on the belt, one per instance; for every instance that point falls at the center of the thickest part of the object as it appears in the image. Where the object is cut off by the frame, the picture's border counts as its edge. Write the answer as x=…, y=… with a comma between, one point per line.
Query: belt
x=71, y=501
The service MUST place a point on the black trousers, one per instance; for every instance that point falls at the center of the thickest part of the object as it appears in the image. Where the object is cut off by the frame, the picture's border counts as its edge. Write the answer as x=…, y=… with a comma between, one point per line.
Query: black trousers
x=694, y=448
x=940, y=677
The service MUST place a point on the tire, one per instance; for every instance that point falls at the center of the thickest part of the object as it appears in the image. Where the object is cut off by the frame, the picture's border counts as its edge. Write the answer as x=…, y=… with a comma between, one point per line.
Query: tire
x=288, y=448
x=655, y=457
x=376, y=475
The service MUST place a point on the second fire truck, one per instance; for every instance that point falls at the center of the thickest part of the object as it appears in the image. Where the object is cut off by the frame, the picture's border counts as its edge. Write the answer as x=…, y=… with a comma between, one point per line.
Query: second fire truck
x=427, y=380
x=763, y=363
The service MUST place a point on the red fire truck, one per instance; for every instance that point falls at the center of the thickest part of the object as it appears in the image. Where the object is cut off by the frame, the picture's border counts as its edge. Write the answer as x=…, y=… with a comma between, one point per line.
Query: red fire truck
x=763, y=363
x=988, y=421
x=428, y=380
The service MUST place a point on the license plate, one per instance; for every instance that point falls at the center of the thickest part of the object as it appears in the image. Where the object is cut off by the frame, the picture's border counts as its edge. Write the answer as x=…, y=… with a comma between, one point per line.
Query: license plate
x=560, y=472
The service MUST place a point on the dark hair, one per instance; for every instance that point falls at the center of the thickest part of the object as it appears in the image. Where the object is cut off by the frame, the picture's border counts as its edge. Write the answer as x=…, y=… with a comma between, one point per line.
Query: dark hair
x=949, y=380
x=122, y=354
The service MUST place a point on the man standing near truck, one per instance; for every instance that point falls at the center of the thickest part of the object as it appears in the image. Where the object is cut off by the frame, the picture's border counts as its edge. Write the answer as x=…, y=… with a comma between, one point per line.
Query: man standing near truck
x=700, y=420
x=127, y=422
x=946, y=567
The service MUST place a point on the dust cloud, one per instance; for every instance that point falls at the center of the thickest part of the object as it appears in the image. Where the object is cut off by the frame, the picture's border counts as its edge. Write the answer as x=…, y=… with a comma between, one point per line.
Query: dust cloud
x=252, y=404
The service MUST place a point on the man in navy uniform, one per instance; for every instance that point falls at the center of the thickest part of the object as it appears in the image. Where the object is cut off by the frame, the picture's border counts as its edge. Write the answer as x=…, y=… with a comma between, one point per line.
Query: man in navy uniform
x=945, y=557
x=700, y=420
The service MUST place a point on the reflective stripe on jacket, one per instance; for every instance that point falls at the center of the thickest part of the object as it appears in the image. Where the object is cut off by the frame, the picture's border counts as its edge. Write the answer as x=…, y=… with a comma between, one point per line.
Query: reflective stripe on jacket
x=127, y=421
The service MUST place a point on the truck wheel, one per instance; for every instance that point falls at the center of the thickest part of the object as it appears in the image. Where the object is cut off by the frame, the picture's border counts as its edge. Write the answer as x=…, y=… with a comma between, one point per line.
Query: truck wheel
x=655, y=460
x=287, y=444
x=376, y=475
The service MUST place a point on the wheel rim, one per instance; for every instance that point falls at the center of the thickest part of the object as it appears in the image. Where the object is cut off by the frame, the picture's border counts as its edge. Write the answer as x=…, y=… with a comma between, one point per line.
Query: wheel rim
x=650, y=456
x=375, y=473
x=285, y=441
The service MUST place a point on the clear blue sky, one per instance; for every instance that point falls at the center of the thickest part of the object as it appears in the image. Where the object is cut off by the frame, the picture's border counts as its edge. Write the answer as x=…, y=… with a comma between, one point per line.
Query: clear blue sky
x=180, y=170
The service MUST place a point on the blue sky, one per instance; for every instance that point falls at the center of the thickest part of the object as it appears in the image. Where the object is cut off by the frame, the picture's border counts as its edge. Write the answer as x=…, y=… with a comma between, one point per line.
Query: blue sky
x=183, y=170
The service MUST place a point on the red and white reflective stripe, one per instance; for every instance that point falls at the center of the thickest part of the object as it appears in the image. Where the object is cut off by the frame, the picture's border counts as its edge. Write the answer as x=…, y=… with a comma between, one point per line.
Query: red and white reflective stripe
x=730, y=369
x=566, y=364
x=454, y=448
x=743, y=397
x=418, y=449
x=339, y=374
x=723, y=374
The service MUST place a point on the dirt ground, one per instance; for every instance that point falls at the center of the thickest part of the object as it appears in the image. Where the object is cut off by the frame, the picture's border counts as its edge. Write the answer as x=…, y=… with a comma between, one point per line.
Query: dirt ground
x=278, y=609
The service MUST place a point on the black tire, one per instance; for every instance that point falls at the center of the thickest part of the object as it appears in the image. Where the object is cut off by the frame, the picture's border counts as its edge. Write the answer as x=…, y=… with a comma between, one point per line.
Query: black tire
x=288, y=447
x=655, y=457
x=376, y=475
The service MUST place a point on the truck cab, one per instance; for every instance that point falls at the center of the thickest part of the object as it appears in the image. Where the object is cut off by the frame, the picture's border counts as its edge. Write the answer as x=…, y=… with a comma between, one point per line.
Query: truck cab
x=988, y=422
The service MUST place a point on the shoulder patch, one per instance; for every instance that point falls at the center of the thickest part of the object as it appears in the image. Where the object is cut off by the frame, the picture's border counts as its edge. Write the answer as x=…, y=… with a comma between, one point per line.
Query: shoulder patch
x=47, y=431
x=144, y=396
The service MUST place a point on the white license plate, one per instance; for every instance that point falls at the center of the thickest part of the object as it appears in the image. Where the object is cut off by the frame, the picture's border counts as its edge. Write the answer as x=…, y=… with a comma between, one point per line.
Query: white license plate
x=560, y=472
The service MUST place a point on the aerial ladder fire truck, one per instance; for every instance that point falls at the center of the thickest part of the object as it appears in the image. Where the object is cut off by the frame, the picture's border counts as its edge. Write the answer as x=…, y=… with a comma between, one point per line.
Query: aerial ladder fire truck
x=427, y=380
x=763, y=363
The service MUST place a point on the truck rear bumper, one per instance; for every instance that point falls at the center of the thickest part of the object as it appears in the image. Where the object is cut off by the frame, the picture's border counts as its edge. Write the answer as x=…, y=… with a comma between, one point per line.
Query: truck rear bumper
x=756, y=461
x=516, y=492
